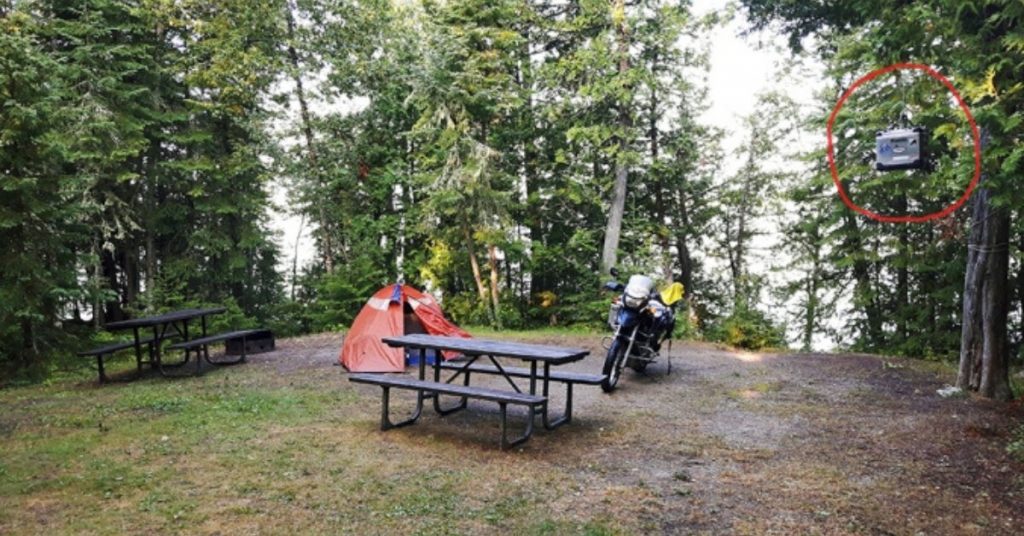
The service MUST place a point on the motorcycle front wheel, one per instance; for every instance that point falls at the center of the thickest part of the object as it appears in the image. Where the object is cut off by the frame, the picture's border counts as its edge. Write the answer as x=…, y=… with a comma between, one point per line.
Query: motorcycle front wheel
x=613, y=365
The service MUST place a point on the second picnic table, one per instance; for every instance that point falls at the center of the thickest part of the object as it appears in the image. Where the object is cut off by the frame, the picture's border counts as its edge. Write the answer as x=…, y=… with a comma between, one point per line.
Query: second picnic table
x=165, y=326
x=541, y=359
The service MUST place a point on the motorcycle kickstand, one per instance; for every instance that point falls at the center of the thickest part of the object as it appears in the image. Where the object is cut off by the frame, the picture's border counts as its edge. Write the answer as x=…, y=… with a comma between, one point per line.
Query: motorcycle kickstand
x=668, y=359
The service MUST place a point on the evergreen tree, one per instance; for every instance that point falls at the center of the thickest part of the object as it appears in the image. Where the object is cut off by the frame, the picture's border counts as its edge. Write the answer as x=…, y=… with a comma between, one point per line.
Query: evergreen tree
x=978, y=44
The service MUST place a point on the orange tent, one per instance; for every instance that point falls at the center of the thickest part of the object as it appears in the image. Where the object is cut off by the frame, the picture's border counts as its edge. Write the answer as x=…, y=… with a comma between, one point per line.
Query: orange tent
x=392, y=311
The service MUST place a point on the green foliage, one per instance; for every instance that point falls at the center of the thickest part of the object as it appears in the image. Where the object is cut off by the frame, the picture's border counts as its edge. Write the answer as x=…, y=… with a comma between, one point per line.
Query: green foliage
x=1015, y=447
x=747, y=327
x=340, y=295
x=138, y=143
x=130, y=151
x=466, y=309
x=906, y=281
x=472, y=142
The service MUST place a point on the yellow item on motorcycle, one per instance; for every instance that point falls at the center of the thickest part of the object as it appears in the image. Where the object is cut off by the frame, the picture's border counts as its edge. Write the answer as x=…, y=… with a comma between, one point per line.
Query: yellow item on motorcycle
x=672, y=294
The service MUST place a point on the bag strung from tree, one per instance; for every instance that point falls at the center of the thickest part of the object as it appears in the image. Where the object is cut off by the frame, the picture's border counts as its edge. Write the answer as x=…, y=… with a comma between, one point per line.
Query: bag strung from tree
x=902, y=148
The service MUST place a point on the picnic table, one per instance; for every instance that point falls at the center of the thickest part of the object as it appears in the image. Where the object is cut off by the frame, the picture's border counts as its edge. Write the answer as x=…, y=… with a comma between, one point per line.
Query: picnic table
x=166, y=326
x=535, y=394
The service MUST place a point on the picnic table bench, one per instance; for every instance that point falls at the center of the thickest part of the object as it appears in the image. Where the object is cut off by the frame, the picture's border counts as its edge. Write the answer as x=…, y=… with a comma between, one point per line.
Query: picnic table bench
x=111, y=349
x=202, y=344
x=535, y=396
x=568, y=378
x=503, y=398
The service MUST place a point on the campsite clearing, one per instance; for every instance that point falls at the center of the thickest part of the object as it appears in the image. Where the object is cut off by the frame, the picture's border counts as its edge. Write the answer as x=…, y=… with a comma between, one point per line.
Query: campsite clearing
x=730, y=442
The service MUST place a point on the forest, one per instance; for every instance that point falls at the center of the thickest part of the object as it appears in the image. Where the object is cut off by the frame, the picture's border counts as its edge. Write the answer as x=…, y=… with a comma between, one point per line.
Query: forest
x=504, y=154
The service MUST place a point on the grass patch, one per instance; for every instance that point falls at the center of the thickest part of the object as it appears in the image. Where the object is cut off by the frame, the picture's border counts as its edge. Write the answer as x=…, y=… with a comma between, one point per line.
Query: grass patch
x=755, y=391
x=242, y=452
x=550, y=527
x=536, y=333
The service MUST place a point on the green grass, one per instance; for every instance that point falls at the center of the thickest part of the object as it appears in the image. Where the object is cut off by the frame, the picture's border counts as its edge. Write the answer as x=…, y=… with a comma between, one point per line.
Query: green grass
x=245, y=450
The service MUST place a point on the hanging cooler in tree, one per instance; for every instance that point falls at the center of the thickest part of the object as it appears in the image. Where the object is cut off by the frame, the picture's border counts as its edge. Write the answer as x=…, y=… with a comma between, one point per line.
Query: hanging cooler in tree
x=901, y=148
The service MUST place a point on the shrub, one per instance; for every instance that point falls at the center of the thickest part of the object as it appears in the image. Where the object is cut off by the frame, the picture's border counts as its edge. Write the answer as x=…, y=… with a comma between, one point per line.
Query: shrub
x=747, y=327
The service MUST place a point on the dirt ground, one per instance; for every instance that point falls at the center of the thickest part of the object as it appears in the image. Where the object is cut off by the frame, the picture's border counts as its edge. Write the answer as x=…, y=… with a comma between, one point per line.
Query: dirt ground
x=728, y=443
x=765, y=443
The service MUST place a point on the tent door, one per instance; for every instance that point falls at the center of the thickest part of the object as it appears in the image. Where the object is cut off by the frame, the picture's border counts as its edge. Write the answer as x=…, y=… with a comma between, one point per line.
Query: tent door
x=411, y=325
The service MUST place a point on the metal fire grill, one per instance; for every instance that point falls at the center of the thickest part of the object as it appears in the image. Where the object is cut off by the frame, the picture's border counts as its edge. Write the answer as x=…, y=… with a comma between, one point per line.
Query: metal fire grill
x=255, y=343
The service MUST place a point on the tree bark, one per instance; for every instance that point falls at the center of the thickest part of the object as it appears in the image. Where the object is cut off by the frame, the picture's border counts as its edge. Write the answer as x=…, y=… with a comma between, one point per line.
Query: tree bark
x=295, y=255
x=984, y=351
x=995, y=369
x=108, y=265
x=613, y=232
x=28, y=343
x=813, y=286
x=740, y=252
x=902, y=308
x=492, y=260
x=682, y=249
x=527, y=280
x=151, y=186
x=471, y=249
x=130, y=265
x=664, y=235
x=1020, y=286
x=863, y=292
x=150, y=261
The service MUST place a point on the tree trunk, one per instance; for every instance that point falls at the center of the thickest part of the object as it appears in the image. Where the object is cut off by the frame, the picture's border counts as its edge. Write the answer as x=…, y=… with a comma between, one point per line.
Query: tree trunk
x=660, y=209
x=295, y=255
x=108, y=265
x=130, y=265
x=307, y=134
x=737, y=266
x=738, y=252
x=813, y=285
x=609, y=253
x=984, y=352
x=682, y=249
x=150, y=261
x=1020, y=286
x=28, y=352
x=902, y=307
x=527, y=281
x=995, y=369
x=863, y=293
x=492, y=260
x=471, y=249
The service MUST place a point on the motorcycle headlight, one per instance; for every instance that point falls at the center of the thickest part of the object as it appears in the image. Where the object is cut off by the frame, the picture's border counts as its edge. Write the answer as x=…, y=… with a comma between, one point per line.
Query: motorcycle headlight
x=633, y=302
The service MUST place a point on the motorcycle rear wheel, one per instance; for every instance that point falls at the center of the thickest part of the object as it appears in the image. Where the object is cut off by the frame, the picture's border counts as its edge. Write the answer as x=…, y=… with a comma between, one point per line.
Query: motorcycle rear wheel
x=613, y=365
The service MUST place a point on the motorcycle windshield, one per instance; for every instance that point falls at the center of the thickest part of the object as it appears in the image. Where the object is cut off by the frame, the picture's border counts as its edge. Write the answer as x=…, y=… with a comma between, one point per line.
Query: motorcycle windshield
x=639, y=286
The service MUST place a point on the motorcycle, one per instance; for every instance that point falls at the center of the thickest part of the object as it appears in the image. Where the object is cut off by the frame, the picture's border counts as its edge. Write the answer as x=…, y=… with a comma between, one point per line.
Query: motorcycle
x=641, y=319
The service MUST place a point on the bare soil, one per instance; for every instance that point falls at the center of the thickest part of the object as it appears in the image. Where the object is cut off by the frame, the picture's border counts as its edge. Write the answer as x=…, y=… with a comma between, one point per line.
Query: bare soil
x=760, y=443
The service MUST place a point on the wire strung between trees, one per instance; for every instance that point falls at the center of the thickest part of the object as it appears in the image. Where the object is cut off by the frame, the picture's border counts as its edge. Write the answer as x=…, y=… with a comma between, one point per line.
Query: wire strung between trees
x=994, y=248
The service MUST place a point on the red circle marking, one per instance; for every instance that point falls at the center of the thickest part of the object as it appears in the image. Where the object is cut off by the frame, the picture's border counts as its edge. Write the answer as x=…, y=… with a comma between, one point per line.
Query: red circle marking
x=905, y=218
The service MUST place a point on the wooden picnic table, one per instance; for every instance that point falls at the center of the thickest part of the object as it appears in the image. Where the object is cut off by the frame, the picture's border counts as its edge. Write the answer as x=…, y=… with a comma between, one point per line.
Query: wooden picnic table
x=166, y=326
x=541, y=358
